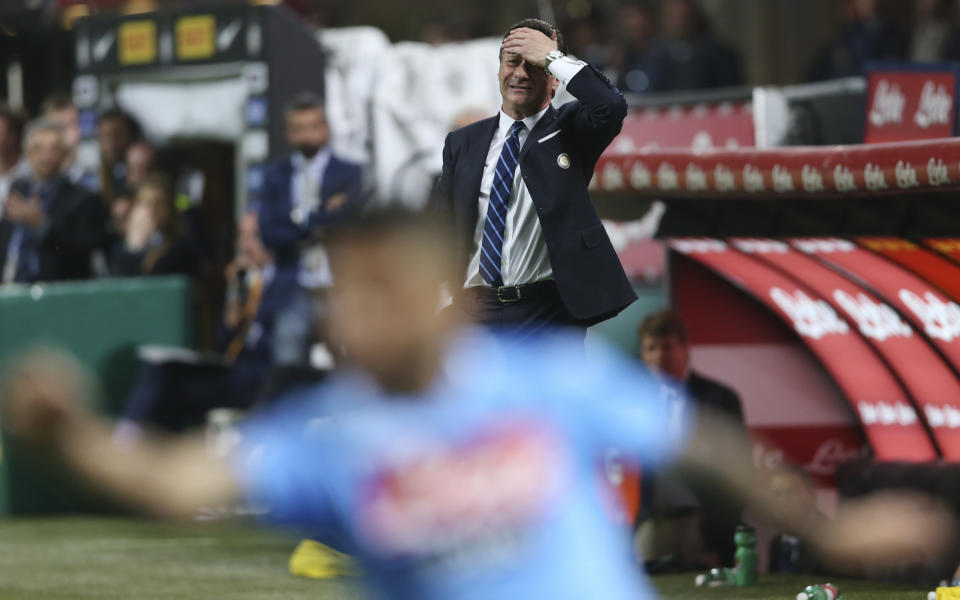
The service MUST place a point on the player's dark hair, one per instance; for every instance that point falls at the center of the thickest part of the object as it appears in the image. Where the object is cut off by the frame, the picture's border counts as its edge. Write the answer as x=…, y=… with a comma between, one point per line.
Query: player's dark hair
x=661, y=324
x=543, y=27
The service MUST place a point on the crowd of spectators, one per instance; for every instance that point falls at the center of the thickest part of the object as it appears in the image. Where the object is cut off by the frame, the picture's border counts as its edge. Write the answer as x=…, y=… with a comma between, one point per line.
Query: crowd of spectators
x=64, y=218
x=646, y=46
x=873, y=30
x=657, y=51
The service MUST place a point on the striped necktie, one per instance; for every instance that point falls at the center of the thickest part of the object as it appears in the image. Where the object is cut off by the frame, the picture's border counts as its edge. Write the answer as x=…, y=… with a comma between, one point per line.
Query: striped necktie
x=491, y=255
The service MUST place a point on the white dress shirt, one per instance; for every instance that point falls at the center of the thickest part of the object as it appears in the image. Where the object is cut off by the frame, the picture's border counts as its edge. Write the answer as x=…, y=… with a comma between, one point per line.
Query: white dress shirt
x=305, y=187
x=524, y=258
x=306, y=183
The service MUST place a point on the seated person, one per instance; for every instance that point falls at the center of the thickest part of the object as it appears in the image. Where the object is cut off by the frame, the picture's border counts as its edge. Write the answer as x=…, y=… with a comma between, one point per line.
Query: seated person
x=686, y=521
x=176, y=394
x=154, y=241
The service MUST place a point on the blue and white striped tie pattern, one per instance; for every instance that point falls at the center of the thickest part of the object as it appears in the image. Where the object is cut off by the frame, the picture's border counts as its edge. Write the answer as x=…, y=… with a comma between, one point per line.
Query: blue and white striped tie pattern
x=491, y=248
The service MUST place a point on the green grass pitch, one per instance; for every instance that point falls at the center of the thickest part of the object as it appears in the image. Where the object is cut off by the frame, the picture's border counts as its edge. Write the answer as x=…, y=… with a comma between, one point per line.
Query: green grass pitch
x=86, y=558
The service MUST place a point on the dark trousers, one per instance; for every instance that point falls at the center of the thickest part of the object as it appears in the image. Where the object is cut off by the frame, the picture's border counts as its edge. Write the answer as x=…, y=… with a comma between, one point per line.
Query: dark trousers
x=176, y=396
x=538, y=311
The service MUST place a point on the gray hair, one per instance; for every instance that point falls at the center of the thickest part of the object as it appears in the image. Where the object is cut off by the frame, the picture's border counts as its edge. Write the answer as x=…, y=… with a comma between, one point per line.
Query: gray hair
x=41, y=125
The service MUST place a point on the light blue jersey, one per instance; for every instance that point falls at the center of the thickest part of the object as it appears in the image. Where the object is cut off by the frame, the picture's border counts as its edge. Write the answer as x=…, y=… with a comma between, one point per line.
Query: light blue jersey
x=484, y=486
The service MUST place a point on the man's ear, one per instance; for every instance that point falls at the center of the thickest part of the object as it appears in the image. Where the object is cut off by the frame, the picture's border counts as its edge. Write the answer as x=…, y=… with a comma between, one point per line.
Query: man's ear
x=555, y=83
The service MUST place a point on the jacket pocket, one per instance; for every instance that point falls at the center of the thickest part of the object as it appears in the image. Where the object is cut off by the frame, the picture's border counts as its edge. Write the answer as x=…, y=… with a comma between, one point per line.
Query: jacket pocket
x=593, y=236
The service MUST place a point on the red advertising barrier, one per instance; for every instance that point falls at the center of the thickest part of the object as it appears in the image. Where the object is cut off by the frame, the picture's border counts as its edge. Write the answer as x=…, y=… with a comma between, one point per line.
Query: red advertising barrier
x=802, y=171
x=926, y=307
x=699, y=127
x=931, y=266
x=886, y=414
x=949, y=247
x=910, y=102
x=927, y=378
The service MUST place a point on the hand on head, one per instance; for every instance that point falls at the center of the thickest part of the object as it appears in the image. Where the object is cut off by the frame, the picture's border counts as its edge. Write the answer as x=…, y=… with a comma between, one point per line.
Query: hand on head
x=530, y=44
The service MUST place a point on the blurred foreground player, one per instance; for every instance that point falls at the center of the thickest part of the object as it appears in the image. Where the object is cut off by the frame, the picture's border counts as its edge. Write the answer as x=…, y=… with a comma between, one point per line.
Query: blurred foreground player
x=452, y=464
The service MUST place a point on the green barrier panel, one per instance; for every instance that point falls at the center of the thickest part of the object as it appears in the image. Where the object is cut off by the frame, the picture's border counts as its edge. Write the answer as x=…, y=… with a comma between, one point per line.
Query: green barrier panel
x=102, y=323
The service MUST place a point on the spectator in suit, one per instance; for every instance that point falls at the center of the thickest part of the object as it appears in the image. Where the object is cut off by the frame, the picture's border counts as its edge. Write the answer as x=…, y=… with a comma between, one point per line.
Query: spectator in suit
x=12, y=163
x=175, y=394
x=303, y=193
x=155, y=240
x=687, y=520
x=533, y=251
x=50, y=226
x=688, y=56
x=116, y=131
x=60, y=109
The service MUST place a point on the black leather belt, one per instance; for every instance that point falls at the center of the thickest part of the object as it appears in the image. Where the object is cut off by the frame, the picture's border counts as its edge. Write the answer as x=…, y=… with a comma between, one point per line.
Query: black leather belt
x=506, y=294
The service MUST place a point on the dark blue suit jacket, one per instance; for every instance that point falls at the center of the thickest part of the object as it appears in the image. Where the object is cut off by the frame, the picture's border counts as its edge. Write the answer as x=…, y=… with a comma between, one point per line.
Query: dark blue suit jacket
x=280, y=234
x=588, y=273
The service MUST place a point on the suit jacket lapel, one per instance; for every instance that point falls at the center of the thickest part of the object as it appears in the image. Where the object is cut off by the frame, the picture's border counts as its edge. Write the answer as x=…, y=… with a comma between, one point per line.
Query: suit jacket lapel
x=542, y=127
x=474, y=159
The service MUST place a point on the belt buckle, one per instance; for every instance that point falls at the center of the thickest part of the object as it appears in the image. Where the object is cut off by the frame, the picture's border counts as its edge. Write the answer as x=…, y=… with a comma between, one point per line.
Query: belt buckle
x=505, y=299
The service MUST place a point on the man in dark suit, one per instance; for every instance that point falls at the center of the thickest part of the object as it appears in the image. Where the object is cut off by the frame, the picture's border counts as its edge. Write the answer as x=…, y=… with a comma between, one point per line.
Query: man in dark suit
x=50, y=226
x=687, y=519
x=302, y=194
x=532, y=249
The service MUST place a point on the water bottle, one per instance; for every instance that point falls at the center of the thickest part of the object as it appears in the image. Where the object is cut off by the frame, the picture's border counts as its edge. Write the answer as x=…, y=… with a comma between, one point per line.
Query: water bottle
x=746, y=556
x=826, y=591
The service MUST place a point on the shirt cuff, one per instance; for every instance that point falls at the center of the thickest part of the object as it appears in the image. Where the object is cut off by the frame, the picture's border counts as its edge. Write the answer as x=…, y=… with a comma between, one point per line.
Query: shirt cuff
x=565, y=68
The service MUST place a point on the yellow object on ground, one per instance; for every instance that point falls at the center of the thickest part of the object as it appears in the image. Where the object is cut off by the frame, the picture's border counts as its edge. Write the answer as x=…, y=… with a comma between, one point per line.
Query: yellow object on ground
x=313, y=559
x=948, y=593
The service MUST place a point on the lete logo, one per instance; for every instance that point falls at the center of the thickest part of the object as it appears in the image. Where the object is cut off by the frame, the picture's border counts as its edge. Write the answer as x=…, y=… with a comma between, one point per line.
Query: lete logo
x=874, y=320
x=941, y=320
x=812, y=318
x=888, y=104
x=935, y=104
x=884, y=413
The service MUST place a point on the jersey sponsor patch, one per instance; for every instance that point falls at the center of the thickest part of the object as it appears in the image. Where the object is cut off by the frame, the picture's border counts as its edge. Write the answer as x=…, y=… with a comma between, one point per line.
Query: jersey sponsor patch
x=456, y=497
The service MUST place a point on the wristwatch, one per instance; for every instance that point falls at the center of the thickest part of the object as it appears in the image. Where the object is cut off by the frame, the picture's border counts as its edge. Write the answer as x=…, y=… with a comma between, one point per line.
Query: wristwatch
x=552, y=56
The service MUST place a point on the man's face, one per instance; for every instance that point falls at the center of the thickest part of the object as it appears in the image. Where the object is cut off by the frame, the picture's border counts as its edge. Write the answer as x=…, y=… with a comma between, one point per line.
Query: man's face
x=307, y=130
x=384, y=306
x=69, y=122
x=525, y=88
x=139, y=159
x=114, y=137
x=45, y=153
x=668, y=355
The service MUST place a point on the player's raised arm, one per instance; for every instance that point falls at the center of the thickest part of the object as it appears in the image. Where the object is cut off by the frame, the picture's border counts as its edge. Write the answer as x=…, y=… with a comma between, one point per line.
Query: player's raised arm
x=42, y=407
x=887, y=528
